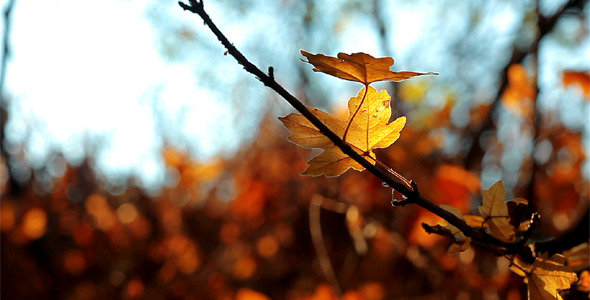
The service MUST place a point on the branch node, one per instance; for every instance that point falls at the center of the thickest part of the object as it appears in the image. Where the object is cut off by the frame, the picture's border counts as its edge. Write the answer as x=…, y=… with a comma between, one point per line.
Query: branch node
x=271, y=73
x=415, y=192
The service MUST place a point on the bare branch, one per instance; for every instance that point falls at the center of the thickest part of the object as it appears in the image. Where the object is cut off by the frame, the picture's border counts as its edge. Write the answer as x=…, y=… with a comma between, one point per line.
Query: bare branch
x=413, y=196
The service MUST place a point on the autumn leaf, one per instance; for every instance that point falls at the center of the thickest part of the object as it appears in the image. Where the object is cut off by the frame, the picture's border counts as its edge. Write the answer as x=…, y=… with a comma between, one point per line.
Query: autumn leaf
x=359, y=67
x=474, y=221
x=578, y=257
x=495, y=212
x=461, y=242
x=519, y=212
x=548, y=276
x=365, y=128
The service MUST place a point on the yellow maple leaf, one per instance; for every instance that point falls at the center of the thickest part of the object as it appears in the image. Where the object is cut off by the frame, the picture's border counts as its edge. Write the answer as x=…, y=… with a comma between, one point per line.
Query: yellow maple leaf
x=360, y=67
x=547, y=276
x=461, y=242
x=495, y=212
x=365, y=128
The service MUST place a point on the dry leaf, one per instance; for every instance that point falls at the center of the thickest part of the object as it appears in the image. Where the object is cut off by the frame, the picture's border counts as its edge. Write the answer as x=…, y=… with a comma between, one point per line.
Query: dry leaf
x=520, y=267
x=365, y=128
x=359, y=67
x=578, y=257
x=547, y=276
x=519, y=212
x=495, y=212
x=461, y=242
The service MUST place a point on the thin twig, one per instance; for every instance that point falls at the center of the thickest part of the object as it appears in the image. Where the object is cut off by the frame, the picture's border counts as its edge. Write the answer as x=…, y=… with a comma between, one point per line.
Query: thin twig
x=317, y=238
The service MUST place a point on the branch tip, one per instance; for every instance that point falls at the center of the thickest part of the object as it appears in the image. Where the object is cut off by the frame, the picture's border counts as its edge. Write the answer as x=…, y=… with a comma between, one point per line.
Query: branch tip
x=184, y=6
x=429, y=229
x=193, y=6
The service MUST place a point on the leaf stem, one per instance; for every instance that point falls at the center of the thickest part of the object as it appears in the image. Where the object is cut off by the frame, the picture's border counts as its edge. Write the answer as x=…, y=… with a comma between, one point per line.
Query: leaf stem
x=394, y=173
x=354, y=115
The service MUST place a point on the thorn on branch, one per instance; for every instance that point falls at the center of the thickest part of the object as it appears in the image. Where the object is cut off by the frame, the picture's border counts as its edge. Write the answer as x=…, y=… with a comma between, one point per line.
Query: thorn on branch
x=271, y=73
x=415, y=188
x=415, y=194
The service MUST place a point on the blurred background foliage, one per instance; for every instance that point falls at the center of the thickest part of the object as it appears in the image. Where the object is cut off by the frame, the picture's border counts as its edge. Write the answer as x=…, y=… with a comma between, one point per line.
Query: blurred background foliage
x=510, y=103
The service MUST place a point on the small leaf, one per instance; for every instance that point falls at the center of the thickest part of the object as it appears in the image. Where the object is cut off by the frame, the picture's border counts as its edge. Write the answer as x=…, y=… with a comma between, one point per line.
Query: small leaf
x=519, y=211
x=495, y=212
x=359, y=67
x=461, y=242
x=547, y=276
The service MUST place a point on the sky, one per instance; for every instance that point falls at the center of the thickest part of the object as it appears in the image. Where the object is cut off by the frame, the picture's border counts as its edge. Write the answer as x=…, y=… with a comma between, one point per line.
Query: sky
x=85, y=70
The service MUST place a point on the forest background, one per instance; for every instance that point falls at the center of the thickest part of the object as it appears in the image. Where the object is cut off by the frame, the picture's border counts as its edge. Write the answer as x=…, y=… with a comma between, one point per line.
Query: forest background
x=186, y=187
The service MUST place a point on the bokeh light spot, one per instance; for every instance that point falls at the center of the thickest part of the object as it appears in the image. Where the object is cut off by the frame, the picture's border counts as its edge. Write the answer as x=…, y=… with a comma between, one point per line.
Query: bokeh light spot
x=126, y=213
x=244, y=267
x=74, y=262
x=35, y=223
x=248, y=294
x=267, y=246
x=7, y=217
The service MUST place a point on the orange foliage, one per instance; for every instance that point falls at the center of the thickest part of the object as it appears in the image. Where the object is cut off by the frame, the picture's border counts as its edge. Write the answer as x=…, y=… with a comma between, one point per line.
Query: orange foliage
x=74, y=262
x=250, y=201
x=7, y=216
x=258, y=238
x=248, y=294
x=455, y=186
x=520, y=92
x=579, y=79
x=34, y=223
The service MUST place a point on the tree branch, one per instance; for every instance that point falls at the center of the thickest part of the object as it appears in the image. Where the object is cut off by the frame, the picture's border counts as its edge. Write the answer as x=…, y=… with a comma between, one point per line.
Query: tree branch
x=413, y=196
